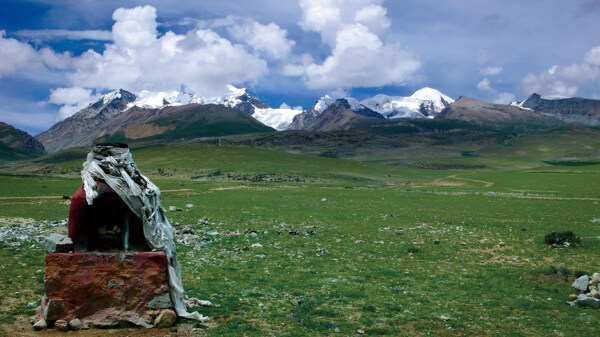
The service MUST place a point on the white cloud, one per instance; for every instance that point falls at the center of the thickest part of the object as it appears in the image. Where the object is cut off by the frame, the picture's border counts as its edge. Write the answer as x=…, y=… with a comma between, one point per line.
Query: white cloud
x=63, y=34
x=592, y=57
x=71, y=99
x=564, y=81
x=16, y=56
x=498, y=97
x=139, y=59
x=353, y=29
x=491, y=71
x=269, y=40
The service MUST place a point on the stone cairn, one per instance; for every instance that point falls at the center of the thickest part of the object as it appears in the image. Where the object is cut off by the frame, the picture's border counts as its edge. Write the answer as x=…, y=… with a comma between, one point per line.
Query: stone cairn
x=588, y=295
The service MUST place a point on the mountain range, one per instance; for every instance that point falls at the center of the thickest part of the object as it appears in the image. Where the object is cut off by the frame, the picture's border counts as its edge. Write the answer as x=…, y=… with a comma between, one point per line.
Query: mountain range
x=150, y=116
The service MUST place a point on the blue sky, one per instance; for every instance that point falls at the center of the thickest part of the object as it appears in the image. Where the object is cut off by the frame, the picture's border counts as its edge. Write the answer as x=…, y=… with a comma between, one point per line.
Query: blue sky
x=57, y=56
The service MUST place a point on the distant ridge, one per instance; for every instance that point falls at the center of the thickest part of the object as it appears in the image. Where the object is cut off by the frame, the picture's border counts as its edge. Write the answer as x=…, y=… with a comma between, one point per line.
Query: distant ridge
x=498, y=116
x=17, y=144
x=581, y=110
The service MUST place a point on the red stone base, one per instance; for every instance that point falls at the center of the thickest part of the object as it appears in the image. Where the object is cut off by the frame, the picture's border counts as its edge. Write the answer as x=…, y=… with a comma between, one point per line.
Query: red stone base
x=106, y=289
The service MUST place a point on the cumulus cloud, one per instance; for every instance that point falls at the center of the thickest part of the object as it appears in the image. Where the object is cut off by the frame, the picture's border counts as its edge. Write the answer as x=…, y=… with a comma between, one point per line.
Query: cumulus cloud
x=267, y=40
x=200, y=61
x=71, y=99
x=17, y=56
x=498, y=97
x=354, y=30
x=564, y=81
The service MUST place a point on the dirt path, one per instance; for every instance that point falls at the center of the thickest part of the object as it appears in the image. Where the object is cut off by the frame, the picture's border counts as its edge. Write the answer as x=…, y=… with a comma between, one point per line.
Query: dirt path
x=34, y=197
x=455, y=176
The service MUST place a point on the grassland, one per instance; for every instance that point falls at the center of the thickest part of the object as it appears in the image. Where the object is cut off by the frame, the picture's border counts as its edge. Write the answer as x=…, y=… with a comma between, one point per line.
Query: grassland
x=370, y=262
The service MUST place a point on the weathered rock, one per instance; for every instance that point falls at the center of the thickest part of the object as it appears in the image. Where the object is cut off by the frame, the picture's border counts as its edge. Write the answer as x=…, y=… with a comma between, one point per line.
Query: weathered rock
x=61, y=325
x=104, y=289
x=162, y=301
x=40, y=325
x=581, y=283
x=75, y=324
x=165, y=319
x=572, y=297
x=58, y=243
x=595, y=293
x=53, y=309
x=589, y=302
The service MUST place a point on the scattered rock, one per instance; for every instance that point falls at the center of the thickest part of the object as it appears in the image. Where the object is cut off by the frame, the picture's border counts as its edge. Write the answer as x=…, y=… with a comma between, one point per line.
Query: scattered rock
x=260, y=305
x=572, y=297
x=501, y=244
x=76, y=324
x=360, y=332
x=61, y=325
x=172, y=208
x=588, y=302
x=436, y=242
x=444, y=318
x=324, y=199
x=165, y=319
x=40, y=325
x=581, y=283
x=189, y=205
x=256, y=245
x=58, y=243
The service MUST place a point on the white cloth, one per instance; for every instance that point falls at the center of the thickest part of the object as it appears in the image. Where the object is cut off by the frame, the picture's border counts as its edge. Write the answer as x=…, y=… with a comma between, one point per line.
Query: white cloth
x=116, y=167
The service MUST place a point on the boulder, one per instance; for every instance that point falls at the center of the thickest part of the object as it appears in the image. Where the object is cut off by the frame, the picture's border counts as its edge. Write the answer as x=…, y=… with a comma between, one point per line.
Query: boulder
x=40, y=325
x=581, y=283
x=588, y=302
x=165, y=319
x=58, y=243
x=75, y=324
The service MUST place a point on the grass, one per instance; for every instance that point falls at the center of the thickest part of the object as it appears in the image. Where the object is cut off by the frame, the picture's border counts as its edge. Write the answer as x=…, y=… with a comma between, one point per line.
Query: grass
x=371, y=263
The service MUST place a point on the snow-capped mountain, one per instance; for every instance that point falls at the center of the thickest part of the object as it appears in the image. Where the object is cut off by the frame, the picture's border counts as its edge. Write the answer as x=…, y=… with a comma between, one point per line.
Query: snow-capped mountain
x=236, y=98
x=301, y=121
x=424, y=103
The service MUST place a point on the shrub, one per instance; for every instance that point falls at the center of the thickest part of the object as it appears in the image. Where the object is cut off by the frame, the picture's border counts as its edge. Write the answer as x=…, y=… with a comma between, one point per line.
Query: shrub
x=562, y=238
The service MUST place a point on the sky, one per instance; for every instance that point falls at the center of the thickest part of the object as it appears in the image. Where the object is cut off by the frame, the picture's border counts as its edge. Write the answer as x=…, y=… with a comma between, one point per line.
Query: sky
x=57, y=56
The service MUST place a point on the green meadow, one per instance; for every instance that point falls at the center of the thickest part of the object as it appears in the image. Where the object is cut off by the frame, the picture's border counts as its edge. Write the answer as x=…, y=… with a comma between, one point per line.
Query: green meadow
x=297, y=245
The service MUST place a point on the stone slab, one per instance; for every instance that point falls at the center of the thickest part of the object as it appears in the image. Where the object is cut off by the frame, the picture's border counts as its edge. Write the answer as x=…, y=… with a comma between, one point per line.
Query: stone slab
x=101, y=288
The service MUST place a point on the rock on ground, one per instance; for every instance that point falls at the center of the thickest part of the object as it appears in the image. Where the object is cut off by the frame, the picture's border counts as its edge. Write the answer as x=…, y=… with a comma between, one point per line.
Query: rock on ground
x=581, y=283
x=165, y=319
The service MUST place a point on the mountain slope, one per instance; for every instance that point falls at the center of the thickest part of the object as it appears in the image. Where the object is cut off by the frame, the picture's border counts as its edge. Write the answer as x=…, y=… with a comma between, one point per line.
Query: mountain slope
x=82, y=128
x=498, y=116
x=17, y=144
x=580, y=110
x=179, y=122
x=121, y=109
x=342, y=115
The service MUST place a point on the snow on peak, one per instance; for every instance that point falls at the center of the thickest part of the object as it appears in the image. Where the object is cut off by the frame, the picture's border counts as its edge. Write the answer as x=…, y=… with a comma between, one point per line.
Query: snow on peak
x=159, y=99
x=430, y=94
x=426, y=100
x=107, y=98
x=279, y=119
x=323, y=103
